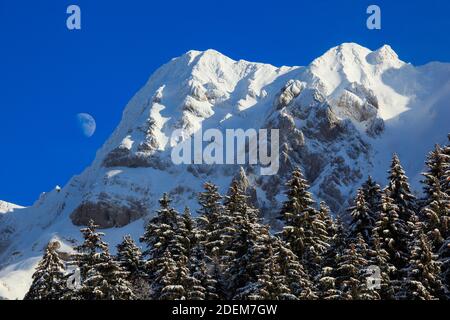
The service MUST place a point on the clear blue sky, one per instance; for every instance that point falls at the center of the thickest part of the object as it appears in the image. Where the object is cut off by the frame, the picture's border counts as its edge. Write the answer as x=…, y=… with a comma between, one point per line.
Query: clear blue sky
x=48, y=74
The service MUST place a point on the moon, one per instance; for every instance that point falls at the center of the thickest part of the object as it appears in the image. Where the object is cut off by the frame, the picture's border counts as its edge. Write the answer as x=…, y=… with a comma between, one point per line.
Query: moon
x=87, y=124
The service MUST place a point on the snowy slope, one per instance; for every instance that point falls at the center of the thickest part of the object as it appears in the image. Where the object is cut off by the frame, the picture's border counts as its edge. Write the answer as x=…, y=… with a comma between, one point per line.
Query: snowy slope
x=340, y=119
x=8, y=207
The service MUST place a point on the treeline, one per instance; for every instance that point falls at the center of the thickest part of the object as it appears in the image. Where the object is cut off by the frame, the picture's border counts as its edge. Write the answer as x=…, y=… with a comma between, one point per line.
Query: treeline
x=394, y=247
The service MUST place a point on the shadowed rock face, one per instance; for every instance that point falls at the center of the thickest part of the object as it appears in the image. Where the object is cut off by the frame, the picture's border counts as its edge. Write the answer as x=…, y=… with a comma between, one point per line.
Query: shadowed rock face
x=106, y=214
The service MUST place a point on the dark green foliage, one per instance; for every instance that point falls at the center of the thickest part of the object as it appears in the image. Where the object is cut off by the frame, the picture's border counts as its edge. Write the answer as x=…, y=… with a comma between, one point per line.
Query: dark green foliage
x=304, y=230
x=372, y=194
x=102, y=277
x=436, y=205
x=363, y=221
x=422, y=281
x=399, y=191
x=393, y=232
x=130, y=258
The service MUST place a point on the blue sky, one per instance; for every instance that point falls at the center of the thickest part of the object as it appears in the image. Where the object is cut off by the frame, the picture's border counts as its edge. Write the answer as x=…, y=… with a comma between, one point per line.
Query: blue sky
x=49, y=74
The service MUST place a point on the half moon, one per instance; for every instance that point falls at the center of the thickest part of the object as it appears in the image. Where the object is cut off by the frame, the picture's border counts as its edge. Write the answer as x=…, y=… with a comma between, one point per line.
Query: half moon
x=87, y=124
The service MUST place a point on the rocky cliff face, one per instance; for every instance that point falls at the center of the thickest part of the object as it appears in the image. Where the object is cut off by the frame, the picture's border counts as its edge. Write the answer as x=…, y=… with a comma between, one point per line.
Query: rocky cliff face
x=340, y=118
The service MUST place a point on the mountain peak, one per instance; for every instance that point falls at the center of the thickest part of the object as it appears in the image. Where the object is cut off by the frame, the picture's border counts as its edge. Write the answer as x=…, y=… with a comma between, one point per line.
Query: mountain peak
x=209, y=55
x=385, y=54
x=346, y=52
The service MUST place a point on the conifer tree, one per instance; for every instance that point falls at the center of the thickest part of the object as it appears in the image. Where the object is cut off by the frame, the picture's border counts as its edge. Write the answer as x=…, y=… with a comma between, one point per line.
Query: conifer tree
x=436, y=205
x=372, y=193
x=102, y=277
x=160, y=231
x=351, y=273
x=446, y=177
x=399, y=191
x=214, y=223
x=87, y=254
x=269, y=283
x=340, y=240
x=236, y=203
x=214, y=226
x=304, y=230
x=48, y=279
x=393, y=233
x=444, y=259
x=204, y=284
x=293, y=273
x=362, y=219
x=422, y=280
x=436, y=214
x=327, y=287
x=324, y=215
x=247, y=254
x=187, y=234
x=437, y=165
x=130, y=258
x=171, y=279
x=106, y=280
x=379, y=258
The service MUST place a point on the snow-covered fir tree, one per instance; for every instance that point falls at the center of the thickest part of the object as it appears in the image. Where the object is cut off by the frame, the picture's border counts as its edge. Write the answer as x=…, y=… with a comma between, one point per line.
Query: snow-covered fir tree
x=216, y=228
x=292, y=271
x=167, y=283
x=188, y=234
x=212, y=224
x=130, y=258
x=269, y=284
x=172, y=280
x=338, y=243
x=446, y=176
x=372, y=194
x=393, y=233
x=236, y=203
x=399, y=191
x=437, y=165
x=106, y=280
x=436, y=214
x=362, y=219
x=160, y=231
x=102, y=278
x=205, y=286
x=326, y=285
x=422, y=274
x=304, y=229
x=436, y=205
x=444, y=259
x=246, y=254
x=87, y=254
x=49, y=281
x=379, y=257
x=351, y=273
x=325, y=216
x=209, y=216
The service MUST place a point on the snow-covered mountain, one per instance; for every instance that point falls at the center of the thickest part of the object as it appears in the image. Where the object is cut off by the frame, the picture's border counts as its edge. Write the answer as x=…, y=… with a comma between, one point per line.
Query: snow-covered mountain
x=340, y=119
